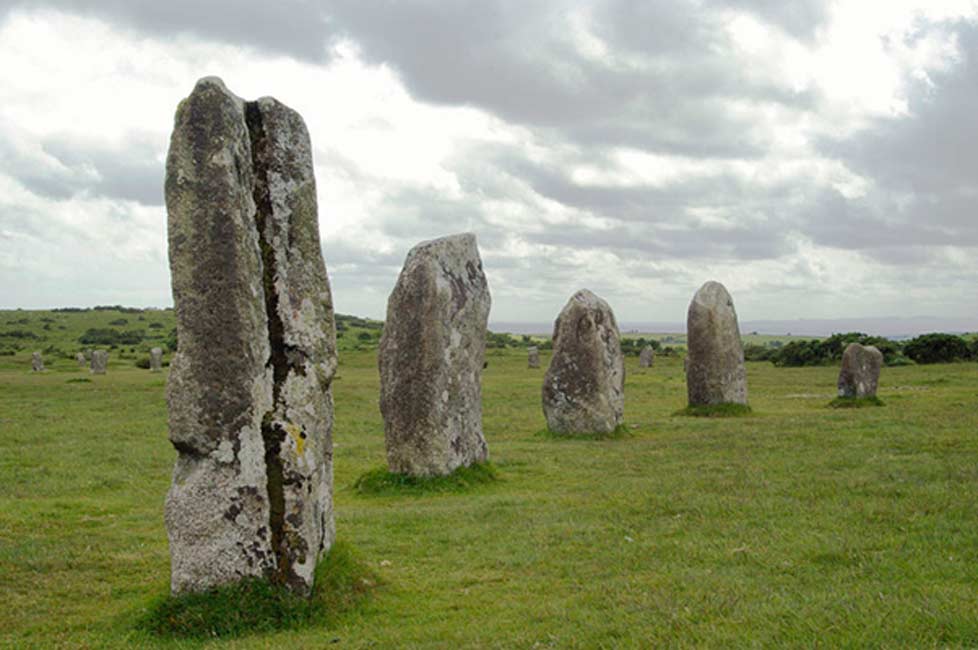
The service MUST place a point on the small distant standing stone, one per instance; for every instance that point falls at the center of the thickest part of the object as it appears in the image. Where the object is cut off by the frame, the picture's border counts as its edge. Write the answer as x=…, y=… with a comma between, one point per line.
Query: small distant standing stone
x=156, y=360
x=860, y=372
x=100, y=359
x=646, y=357
x=533, y=357
x=80, y=358
x=583, y=389
x=431, y=358
x=715, y=371
x=37, y=363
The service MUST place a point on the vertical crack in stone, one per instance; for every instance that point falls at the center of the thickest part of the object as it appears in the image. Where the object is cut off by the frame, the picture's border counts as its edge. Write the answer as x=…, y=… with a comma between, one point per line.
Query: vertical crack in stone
x=272, y=433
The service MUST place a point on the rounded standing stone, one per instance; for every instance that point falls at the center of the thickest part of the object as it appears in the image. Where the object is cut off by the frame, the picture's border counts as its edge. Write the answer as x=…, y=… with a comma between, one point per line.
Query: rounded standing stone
x=533, y=357
x=37, y=363
x=156, y=360
x=715, y=372
x=646, y=357
x=431, y=357
x=80, y=358
x=860, y=372
x=583, y=389
x=100, y=361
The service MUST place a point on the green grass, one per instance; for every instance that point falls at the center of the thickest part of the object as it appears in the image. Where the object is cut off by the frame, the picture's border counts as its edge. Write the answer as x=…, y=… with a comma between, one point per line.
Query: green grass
x=800, y=526
x=726, y=410
x=619, y=432
x=382, y=481
x=855, y=402
x=342, y=583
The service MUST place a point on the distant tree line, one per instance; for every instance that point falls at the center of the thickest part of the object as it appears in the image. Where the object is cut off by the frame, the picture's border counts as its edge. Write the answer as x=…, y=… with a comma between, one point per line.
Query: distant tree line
x=927, y=348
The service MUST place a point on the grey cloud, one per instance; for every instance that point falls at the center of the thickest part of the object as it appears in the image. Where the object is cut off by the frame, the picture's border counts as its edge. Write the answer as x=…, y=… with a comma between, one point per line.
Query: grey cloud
x=133, y=173
x=296, y=28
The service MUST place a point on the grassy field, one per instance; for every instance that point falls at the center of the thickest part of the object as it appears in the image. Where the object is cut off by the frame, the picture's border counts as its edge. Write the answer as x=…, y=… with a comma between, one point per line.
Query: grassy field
x=797, y=526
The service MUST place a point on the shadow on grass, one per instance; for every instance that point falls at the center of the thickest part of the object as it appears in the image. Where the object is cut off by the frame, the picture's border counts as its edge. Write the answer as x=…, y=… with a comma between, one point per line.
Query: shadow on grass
x=855, y=402
x=621, y=431
x=380, y=481
x=726, y=410
x=343, y=582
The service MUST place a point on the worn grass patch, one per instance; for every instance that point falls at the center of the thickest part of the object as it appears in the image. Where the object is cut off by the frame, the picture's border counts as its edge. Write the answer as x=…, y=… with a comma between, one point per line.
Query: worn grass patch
x=255, y=605
x=621, y=431
x=380, y=481
x=855, y=402
x=727, y=410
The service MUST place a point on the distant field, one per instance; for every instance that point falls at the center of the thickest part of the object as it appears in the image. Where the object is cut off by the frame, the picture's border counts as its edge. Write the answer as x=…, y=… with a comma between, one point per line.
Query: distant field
x=800, y=526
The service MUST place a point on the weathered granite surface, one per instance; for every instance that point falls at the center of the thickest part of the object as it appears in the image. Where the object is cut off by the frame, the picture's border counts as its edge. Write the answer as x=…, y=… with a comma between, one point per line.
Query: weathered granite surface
x=431, y=357
x=646, y=357
x=37, y=363
x=715, y=372
x=156, y=360
x=859, y=375
x=583, y=389
x=100, y=361
x=533, y=357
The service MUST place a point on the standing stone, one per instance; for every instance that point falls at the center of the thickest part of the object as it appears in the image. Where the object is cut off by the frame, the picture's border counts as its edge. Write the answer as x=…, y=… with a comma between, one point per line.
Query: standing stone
x=156, y=360
x=583, y=389
x=250, y=409
x=646, y=357
x=37, y=363
x=80, y=358
x=100, y=360
x=431, y=357
x=715, y=371
x=860, y=372
x=533, y=357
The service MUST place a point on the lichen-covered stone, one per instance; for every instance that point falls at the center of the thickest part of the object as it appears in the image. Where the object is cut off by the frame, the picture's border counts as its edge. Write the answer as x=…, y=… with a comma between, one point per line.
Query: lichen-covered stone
x=100, y=361
x=82, y=361
x=533, y=357
x=431, y=357
x=37, y=363
x=299, y=430
x=248, y=391
x=583, y=389
x=646, y=357
x=715, y=371
x=156, y=360
x=860, y=372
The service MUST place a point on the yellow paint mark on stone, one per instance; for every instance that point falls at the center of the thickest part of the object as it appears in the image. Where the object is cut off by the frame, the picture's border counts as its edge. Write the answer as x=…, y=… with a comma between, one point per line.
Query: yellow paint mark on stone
x=295, y=431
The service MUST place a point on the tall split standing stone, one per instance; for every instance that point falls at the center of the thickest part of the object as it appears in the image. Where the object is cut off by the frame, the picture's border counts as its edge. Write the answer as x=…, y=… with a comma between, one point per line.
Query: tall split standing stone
x=583, y=389
x=100, y=360
x=860, y=372
x=646, y=357
x=533, y=357
x=715, y=372
x=37, y=363
x=250, y=408
x=156, y=360
x=431, y=356
x=80, y=358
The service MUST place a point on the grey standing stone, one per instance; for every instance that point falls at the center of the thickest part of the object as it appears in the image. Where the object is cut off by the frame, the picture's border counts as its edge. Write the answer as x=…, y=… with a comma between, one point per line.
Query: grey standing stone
x=37, y=363
x=431, y=357
x=860, y=372
x=250, y=409
x=583, y=389
x=156, y=360
x=100, y=361
x=715, y=372
x=533, y=357
x=80, y=358
x=646, y=357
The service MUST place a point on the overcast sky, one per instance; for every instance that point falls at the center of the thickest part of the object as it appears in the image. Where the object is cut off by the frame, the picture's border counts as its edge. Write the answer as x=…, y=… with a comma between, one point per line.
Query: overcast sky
x=819, y=158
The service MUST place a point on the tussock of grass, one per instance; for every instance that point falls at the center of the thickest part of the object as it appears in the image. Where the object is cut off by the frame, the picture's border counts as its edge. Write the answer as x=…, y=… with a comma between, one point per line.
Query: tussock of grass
x=726, y=410
x=79, y=380
x=621, y=431
x=383, y=482
x=855, y=402
x=255, y=605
